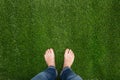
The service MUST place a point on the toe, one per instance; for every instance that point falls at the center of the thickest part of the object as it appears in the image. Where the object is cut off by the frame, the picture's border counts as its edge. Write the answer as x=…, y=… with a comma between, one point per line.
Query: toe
x=47, y=51
x=71, y=52
x=51, y=50
x=66, y=51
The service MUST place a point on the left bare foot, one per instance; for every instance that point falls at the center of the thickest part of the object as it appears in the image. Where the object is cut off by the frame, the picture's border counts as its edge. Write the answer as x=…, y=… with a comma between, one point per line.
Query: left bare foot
x=50, y=57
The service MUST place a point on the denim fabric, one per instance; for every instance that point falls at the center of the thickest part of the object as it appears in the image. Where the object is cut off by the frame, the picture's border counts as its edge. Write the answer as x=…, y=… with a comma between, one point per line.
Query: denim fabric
x=49, y=74
x=68, y=74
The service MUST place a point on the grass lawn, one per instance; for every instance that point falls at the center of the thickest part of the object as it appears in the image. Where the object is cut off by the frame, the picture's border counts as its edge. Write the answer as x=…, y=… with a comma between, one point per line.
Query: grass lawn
x=91, y=28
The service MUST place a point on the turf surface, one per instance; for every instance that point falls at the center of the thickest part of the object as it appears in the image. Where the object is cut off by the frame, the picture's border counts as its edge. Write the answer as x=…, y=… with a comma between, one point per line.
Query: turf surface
x=91, y=28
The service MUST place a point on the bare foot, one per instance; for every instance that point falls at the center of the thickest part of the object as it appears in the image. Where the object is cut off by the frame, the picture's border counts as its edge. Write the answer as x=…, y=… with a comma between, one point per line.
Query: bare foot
x=68, y=58
x=50, y=57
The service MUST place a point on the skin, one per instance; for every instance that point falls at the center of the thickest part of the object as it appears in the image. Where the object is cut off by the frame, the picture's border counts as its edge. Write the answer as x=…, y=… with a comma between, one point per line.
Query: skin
x=50, y=57
x=68, y=57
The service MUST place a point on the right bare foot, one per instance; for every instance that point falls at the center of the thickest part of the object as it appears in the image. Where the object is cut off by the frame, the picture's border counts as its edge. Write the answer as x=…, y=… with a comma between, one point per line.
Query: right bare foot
x=68, y=58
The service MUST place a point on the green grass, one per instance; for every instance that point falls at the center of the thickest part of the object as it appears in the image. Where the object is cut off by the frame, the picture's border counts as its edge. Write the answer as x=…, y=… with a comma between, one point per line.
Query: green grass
x=91, y=28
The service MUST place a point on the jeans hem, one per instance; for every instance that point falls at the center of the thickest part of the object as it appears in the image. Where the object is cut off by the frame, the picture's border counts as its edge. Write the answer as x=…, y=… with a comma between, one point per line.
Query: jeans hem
x=53, y=67
x=64, y=69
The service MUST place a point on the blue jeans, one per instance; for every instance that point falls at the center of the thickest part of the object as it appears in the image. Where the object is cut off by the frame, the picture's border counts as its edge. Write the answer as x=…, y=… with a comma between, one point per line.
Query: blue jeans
x=51, y=73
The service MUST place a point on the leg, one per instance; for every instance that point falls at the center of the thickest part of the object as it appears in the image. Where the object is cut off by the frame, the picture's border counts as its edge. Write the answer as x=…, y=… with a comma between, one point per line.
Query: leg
x=67, y=73
x=50, y=73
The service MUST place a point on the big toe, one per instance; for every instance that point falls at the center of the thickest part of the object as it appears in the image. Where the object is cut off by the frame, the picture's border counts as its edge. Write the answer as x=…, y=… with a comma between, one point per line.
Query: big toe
x=66, y=51
x=51, y=51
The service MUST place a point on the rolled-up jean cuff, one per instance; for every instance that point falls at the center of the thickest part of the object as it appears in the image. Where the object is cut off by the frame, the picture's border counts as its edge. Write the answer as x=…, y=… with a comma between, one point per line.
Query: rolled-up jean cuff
x=64, y=69
x=53, y=67
x=76, y=77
